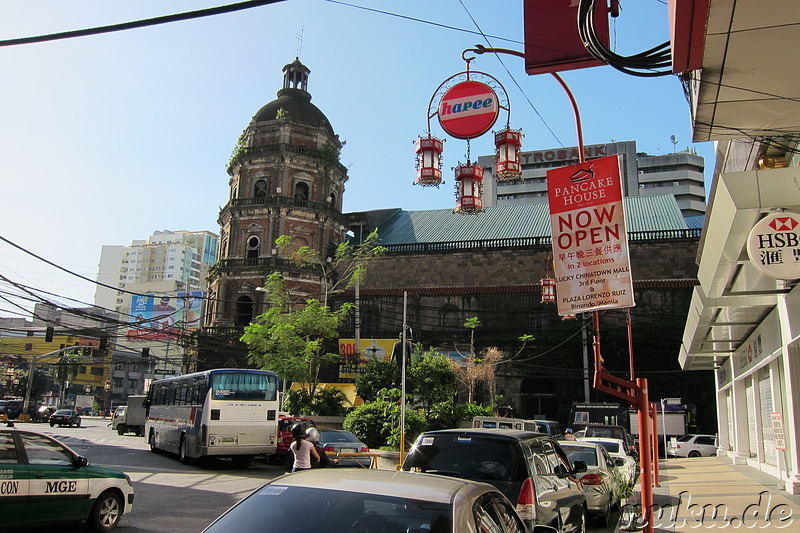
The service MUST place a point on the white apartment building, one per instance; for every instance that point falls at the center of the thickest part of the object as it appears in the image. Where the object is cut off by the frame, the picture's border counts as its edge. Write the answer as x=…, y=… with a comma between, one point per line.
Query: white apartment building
x=167, y=262
x=679, y=174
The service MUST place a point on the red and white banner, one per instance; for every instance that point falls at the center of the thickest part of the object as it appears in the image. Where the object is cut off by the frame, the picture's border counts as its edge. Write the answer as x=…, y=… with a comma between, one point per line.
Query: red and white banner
x=590, y=241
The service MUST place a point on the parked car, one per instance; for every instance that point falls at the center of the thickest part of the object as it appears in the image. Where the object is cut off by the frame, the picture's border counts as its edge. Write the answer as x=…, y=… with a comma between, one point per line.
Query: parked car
x=65, y=417
x=693, y=446
x=370, y=501
x=611, y=432
x=602, y=482
x=550, y=427
x=46, y=482
x=618, y=449
x=335, y=441
x=531, y=469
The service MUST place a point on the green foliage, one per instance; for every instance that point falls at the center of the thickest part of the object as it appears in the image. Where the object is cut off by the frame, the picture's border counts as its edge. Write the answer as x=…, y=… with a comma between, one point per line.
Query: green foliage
x=450, y=414
x=290, y=340
x=433, y=380
x=377, y=375
x=297, y=402
x=328, y=402
x=366, y=422
x=415, y=424
x=328, y=154
x=238, y=150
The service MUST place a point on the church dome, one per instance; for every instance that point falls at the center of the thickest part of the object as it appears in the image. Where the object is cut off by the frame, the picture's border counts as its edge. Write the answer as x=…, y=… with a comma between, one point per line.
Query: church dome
x=294, y=101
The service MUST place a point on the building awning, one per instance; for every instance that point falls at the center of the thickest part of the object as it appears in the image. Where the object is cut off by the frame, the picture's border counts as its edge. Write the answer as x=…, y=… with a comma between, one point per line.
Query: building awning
x=733, y=297
x=348, y=389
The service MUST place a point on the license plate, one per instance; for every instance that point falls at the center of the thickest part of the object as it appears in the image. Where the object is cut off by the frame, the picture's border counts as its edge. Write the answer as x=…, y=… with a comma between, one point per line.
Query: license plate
x=348, y=450
x=228, y=440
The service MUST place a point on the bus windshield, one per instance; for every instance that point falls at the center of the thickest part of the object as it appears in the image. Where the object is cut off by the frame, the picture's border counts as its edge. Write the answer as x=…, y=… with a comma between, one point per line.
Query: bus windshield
x=243, y=386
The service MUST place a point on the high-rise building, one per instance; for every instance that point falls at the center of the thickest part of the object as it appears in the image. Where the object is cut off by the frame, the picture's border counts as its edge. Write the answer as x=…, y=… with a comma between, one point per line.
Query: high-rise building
x=167, y=262
x=679, y=174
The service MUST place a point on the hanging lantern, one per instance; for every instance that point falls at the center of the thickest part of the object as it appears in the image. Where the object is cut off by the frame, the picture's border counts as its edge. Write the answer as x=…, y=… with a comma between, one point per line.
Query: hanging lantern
x=548, y=290
x=469, y=188
x=429, y=151
x=508, y=143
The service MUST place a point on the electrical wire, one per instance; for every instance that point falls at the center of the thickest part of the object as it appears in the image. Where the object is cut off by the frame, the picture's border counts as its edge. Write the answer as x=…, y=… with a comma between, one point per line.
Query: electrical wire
x=643, y=64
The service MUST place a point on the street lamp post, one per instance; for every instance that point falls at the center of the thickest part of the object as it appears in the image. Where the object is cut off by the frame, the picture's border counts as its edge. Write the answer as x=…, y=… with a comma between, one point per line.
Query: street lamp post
x=107, y=388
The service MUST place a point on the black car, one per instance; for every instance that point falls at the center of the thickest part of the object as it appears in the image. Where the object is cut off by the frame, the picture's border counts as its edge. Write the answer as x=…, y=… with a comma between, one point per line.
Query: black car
x=530, y=469
x=11, y=408
x=65, y=417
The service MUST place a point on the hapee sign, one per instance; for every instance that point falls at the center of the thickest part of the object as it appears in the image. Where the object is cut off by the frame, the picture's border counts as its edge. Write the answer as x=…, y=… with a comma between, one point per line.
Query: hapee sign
x=590, y=241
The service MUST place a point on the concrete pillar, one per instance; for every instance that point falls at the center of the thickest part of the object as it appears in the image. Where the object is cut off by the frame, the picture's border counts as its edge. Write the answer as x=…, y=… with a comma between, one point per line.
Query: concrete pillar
x=791, y=387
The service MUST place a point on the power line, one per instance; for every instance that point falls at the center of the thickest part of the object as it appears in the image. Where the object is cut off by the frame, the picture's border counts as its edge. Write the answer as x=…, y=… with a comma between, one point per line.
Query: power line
x=140, y=23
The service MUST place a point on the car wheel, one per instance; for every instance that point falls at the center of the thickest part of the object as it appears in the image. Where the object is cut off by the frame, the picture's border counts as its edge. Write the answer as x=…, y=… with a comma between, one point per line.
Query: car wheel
x=152, y=442
x=52, y=424
x=121, y=429
x=78, y=423
x=694, y=453
x=69, y=424
x=106, y=512
x=183, y=452
x=582, y=522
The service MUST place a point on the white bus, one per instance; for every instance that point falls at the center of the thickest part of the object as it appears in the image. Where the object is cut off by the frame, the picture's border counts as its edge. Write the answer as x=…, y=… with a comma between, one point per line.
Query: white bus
x=228, y=412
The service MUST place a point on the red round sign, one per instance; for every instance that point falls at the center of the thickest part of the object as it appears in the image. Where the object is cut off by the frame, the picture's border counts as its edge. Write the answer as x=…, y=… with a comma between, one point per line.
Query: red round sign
x=468, y=109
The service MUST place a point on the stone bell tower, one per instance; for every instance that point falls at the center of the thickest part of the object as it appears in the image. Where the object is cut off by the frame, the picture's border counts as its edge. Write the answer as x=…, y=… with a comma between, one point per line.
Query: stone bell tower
x=285, y=179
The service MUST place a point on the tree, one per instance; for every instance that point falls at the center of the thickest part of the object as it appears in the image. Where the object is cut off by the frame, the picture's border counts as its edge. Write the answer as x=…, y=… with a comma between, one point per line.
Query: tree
x=377, y=375
x=433, y=380
x=347, y=267
x=291, y=341
x=65, y=370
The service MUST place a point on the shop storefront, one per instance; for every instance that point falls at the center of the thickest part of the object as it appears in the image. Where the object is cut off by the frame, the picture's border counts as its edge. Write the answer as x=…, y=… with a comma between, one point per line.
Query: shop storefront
x=744, y=322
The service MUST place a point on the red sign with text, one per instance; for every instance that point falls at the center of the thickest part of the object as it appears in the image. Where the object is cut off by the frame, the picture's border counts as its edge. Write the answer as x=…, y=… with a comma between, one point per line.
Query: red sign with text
x=590, y=240
x=468, y=109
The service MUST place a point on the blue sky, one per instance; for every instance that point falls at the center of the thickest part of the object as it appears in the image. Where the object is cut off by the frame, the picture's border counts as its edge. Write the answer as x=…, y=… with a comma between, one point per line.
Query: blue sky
x=105, y=139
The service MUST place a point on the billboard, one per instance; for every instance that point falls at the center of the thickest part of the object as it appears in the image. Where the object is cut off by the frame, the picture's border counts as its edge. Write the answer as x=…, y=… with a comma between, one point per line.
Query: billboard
x=352, y=361
x=590, y=239
x=164, y=317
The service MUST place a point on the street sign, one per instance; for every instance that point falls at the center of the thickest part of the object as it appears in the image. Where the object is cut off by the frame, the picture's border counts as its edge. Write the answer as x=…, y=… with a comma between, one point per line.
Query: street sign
x=777, y=429
x=590, y=239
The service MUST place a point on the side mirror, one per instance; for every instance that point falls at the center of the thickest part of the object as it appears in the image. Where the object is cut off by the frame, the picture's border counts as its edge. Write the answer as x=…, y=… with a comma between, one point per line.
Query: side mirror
x=619, y=462
x=80, y=461
x=579, y=467
x=561, y=471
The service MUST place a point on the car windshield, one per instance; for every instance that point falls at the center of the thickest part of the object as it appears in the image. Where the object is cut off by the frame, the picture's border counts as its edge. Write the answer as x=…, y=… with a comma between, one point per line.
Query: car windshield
x=337, y=436
x=611, y=447
x=63, y=412
x=581, y=453
x=468, y=456
x=281, y=509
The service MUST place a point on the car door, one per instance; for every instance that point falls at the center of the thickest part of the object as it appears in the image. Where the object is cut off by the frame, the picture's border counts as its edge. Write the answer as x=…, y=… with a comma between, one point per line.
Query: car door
x=568, y=496
x=706, y=445
x=59, y=489
x=14, y=482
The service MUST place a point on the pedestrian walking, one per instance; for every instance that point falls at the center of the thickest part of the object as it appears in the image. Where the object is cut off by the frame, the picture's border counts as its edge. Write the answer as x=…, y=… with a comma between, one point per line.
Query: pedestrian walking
x=302, y=449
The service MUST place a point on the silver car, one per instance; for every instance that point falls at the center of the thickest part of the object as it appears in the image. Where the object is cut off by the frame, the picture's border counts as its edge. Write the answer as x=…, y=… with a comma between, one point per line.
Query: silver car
x=338, y=444
x=693, y=446
x=603, y=483
x=370, y=501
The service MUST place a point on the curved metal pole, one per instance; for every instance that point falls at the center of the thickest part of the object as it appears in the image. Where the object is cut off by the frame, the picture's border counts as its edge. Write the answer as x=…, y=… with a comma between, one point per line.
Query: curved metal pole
x=480, y=49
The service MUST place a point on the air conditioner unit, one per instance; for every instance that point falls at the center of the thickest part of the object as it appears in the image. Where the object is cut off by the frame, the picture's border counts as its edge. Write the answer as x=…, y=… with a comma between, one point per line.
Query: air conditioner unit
x=675, y=183
x=641, y=185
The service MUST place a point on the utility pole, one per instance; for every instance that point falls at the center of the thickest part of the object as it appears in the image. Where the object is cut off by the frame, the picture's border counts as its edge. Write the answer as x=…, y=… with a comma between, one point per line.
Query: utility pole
x=32, y=372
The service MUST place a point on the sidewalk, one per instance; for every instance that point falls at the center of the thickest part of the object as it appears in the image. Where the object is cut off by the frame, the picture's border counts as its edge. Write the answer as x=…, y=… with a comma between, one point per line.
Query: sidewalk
x=711, y=492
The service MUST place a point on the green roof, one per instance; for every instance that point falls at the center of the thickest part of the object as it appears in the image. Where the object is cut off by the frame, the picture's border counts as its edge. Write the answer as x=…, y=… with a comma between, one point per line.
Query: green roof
x=642, y=213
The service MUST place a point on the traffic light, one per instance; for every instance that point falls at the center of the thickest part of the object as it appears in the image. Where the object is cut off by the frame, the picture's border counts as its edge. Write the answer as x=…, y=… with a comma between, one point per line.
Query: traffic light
x=145, y=352
x=48, y=334
x=103, y=343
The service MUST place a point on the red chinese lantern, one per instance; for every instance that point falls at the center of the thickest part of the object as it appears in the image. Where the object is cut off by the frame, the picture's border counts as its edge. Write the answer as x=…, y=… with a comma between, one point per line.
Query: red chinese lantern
x=548, y=290
x=469, y=188
x=429, y=151
x=508, y=143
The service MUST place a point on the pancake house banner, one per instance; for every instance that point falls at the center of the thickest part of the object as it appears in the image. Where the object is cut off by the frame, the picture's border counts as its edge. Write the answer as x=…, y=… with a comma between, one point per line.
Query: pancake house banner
x=590, y=241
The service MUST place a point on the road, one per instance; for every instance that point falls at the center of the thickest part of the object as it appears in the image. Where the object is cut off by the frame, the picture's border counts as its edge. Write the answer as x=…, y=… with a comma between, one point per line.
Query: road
x=170, y=497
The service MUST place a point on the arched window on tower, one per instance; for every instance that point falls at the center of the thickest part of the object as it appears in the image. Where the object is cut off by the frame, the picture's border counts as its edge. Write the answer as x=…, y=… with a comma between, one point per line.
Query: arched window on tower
x=301, y=192
x=260, y=190
x=244, y=311
x=253, y=245
x=332, y=199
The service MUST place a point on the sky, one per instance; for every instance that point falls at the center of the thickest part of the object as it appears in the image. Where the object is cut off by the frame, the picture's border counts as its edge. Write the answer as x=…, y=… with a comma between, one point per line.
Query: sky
x=105, y=139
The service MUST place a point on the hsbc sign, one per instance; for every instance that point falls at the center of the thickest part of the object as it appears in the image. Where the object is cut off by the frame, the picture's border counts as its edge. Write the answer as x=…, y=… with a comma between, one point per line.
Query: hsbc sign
x=774, y=245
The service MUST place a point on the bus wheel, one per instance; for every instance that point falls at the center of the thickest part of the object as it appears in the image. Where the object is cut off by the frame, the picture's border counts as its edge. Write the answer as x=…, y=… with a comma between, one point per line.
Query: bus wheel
x=183, y=452
x=106, y=512
x=152, y=442
x=241, y=461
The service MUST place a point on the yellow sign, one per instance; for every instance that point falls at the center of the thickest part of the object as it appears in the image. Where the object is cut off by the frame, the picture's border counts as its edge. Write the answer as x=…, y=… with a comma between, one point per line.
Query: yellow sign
x=353, y=361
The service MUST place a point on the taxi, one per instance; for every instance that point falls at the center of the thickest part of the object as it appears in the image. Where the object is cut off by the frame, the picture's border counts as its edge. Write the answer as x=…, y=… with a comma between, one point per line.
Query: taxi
x=43, y=481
